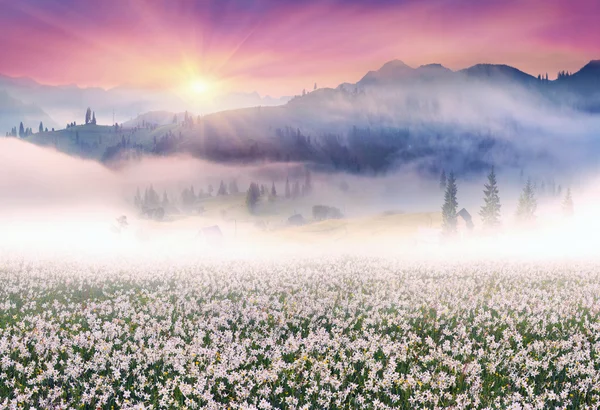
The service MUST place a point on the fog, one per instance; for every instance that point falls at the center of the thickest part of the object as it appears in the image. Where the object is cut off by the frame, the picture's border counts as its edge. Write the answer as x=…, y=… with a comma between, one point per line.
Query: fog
x=58, y=206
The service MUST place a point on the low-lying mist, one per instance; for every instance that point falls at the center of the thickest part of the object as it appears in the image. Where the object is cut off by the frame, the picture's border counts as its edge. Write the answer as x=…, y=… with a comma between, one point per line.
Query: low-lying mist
x=57, y=206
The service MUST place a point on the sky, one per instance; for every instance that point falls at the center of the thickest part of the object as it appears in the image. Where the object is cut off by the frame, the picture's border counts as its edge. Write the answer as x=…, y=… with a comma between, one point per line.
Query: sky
x=279, y=47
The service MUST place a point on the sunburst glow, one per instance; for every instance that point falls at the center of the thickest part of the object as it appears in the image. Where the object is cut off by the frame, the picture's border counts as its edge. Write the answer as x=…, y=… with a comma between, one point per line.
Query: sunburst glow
x=199, y=86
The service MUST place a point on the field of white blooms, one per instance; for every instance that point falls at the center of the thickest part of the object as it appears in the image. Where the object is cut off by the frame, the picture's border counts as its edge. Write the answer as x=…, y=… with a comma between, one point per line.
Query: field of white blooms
x=327, y=333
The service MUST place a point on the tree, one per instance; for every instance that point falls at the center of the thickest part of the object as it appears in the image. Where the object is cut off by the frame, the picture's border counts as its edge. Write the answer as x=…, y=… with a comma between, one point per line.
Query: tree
x=449, y=216
x=567, y=205
x=443, y=181
x=222, y=190
x=94, y=118
x=21, y=130
x=41, y=129
x=287, y=188
x=490, y=212
x=273, y=190
x=527, y=203
x=252, y=196
x=137, y=199
x=307, y=184
x=88, y=115
x=233, y=188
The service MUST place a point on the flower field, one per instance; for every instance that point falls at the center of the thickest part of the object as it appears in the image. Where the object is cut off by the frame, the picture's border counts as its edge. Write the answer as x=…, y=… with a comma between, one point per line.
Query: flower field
x=326, y=333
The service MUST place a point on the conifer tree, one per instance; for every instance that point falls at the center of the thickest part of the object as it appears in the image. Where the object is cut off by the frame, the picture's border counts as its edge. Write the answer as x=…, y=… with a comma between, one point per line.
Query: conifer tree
x=273, y=190
x=41, y=129
x=94, y=118
x=222, y=190
x=287, y=188
x=490, y=212
x=449, y=216
x=21, y=130
x=567, y=205
x=252, y=196
x=88, y=115
x=443, y=181
x=307, y=184
x=527, y=203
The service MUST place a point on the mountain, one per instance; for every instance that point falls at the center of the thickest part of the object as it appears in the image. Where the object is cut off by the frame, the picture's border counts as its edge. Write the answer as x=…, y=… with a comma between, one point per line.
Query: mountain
x=499, y=73
x=68, y=103
x=424, y=118
x=13, y=111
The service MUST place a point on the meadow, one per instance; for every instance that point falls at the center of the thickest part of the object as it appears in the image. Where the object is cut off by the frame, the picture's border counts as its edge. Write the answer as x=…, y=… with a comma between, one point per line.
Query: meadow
x=330, y=333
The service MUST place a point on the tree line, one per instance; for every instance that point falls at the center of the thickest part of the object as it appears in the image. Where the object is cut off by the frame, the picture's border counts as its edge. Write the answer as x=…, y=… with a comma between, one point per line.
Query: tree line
x=490, y=210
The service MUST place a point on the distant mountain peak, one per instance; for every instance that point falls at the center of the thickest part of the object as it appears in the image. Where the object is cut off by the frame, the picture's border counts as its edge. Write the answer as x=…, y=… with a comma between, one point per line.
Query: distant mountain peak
x=394, y=64
x=433, y=65
x=592, y=66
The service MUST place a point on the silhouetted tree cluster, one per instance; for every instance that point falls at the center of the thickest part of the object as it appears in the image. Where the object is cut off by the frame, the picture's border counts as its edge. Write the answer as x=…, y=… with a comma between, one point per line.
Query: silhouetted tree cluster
x=188, y=120
x=563, y=74
x=151, y=199
x=90, y=117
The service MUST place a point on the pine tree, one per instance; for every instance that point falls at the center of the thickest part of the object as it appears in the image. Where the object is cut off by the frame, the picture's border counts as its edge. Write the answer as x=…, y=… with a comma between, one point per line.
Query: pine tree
x=307, y=184
x=287, y=188
x=490, y=212
x=252, y=196
x=41, y=129
x=94, y=118
x=567, y=205
x=449, y=216
x=273, y=190
x=21, y=130
x=443, y=181
x=527, y=203
x=88, y=115
x=222, y=190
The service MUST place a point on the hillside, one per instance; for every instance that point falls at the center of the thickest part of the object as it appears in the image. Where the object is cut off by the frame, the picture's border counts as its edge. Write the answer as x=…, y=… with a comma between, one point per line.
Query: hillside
x=426, y=118
x=13, y=112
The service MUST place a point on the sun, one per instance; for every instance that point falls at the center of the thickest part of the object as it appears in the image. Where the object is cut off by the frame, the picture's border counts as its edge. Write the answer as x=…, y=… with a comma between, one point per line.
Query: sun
x=199, y=86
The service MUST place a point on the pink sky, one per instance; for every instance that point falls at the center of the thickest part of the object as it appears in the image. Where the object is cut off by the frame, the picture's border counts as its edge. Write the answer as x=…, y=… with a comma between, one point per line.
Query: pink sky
x=280, y=47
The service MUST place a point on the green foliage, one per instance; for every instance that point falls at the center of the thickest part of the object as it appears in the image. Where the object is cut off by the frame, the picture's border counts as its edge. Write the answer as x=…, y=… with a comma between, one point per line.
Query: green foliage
x=449, y=216
x=443, y=181
x=490, y=212
x=527, y=204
